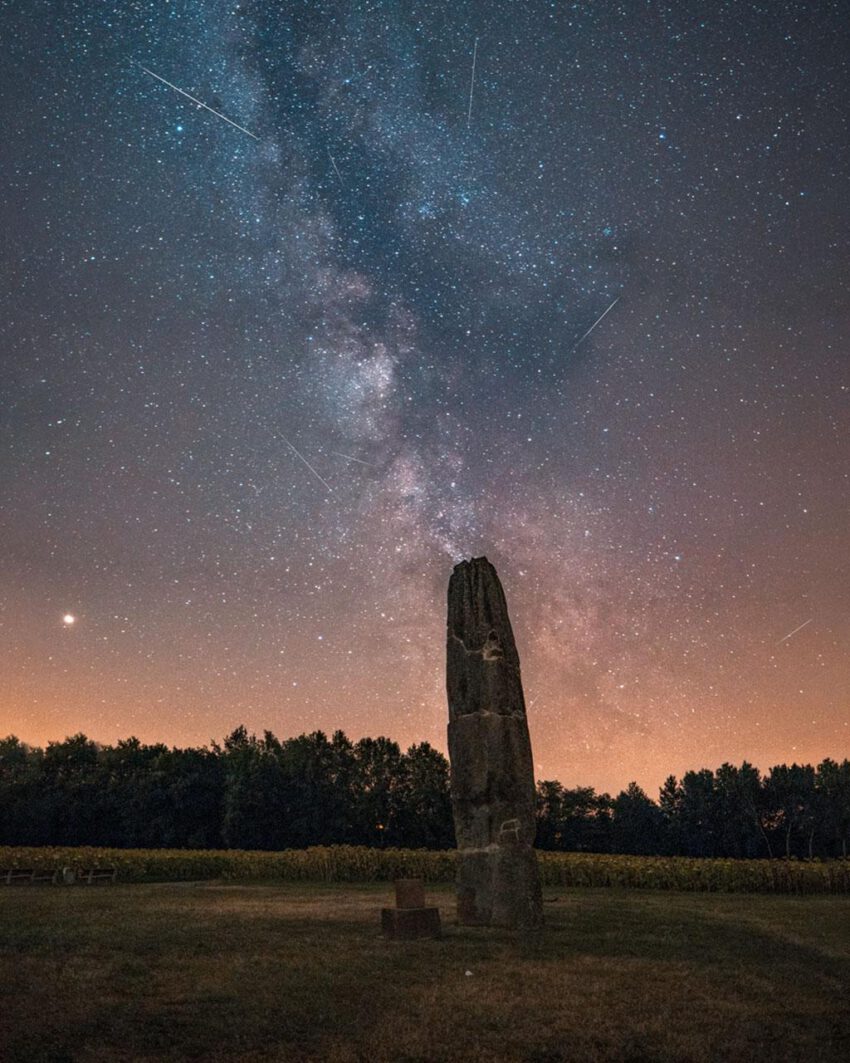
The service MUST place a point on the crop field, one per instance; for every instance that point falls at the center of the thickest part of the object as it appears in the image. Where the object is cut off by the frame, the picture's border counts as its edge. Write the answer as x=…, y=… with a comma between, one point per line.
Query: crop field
x=226, y=971
x=359, y=864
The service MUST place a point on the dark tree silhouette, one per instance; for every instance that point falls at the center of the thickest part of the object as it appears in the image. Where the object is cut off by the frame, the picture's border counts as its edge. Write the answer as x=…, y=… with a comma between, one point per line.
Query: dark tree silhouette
x=637, y=823
x=833, y=782
x=253, y=792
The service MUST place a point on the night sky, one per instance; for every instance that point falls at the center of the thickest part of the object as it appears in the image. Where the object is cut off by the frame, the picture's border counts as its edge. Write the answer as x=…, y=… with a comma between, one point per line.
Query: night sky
x=264, y=383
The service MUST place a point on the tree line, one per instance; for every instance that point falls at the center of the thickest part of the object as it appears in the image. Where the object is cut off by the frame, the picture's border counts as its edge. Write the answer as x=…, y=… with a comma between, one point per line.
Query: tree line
x=253, y=792
x=797, y=811
x=247, y=793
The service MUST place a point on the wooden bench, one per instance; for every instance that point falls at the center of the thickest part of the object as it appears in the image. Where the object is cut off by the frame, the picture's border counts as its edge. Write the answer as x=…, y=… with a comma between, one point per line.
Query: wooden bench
x=91, y=876
x=24, y=876
x=15, y=875
x=45, y=876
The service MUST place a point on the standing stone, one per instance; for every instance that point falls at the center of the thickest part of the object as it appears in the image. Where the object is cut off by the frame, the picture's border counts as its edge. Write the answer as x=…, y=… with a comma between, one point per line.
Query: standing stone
x=492, y=781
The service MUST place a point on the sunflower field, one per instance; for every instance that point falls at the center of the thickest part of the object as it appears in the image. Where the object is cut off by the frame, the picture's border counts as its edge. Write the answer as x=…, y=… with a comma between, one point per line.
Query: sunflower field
x=342, y=863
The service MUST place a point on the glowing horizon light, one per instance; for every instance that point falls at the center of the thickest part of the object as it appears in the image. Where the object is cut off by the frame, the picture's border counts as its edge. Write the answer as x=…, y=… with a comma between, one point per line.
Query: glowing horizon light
x=68, y=619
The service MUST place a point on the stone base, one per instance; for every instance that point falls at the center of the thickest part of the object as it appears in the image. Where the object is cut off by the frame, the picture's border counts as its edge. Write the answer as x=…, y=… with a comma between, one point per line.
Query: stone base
x=407, y=924
x=499, y=887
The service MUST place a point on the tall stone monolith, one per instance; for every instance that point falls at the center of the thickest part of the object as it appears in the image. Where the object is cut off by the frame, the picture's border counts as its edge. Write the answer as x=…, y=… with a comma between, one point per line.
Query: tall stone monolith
x=492, y=781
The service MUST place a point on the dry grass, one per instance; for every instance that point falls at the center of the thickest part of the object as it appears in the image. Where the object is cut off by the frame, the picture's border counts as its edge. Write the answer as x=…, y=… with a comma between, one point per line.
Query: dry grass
x=295, y=972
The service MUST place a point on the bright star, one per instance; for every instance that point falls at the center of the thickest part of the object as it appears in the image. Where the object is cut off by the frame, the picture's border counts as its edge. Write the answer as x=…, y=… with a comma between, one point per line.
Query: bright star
x=68, y=619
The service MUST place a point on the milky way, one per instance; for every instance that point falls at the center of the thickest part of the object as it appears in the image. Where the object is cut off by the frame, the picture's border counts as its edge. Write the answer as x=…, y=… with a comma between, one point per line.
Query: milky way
x=261, y=391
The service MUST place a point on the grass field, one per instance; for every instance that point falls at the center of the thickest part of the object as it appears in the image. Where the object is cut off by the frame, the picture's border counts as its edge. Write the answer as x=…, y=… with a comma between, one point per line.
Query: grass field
x=217, y=971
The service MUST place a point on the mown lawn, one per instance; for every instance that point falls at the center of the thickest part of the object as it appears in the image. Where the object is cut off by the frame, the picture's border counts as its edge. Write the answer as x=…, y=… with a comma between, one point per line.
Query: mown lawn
x=212, y=971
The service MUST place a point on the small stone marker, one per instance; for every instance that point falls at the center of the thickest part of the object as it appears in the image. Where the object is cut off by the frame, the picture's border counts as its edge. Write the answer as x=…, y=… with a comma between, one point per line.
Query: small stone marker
x=411, y=918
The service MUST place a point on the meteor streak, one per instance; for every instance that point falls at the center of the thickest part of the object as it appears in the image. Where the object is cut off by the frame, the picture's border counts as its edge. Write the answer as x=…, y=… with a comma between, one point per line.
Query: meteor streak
x=472, y=83
x=296, y=451
x=796, y=629
x=596, y=322
x=218, y=114
x=336, y=168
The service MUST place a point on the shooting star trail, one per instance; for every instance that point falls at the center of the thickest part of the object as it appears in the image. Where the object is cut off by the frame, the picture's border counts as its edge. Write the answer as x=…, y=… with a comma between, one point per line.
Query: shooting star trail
x=218, y=114
x=472, y=83
x=336, y=168
x=350, y=458
x=596, y=322
x=295, y=450
x=796, y=629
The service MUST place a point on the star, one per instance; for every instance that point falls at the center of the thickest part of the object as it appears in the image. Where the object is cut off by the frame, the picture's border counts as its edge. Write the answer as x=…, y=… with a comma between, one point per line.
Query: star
x=497, y=285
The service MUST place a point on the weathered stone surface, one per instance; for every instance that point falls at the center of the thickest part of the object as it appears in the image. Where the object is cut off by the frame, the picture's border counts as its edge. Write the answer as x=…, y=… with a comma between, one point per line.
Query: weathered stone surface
x=491, y=769
x=490, y=752
x=482, y=673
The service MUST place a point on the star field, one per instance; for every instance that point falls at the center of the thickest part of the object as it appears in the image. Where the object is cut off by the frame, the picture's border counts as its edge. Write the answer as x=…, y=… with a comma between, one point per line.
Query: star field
x=264, y=383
